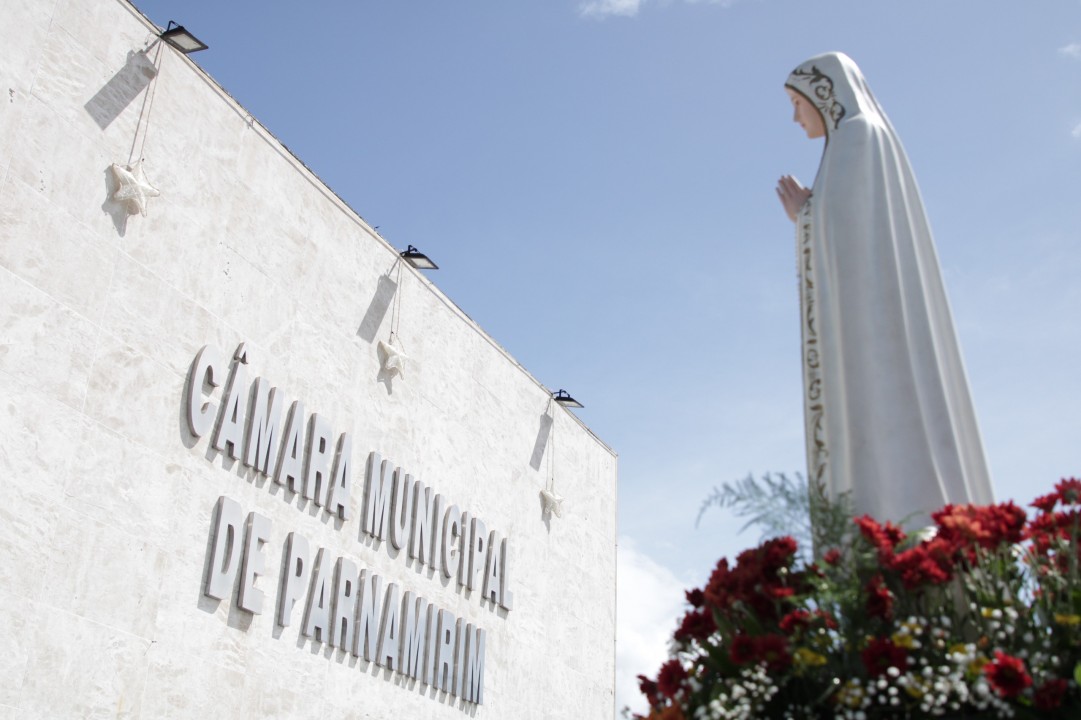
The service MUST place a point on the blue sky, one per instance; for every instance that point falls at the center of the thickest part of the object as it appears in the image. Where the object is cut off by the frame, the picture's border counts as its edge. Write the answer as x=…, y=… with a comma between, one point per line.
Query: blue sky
x=595, y=179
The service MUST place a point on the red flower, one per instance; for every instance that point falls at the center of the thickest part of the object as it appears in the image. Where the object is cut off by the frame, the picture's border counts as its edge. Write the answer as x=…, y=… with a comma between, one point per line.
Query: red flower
x=743, y=649
x=760, y=582
x=773, y=650
x=832, y=556
x=696, y=624
x=670, y=678
x=717, y=589
x=795, y=620
x=779, y=552
x=801, y=620
x=649, y=689
x=1069, y=491
x=1045, y=503
x=883, y=538
x=966, y=527
x=881, y=654
x=1049, y=695
x=1051, y=534
x=929, y=563
x=695, y=597
x=1007, y=675
x=827, y=619
x=879, y=599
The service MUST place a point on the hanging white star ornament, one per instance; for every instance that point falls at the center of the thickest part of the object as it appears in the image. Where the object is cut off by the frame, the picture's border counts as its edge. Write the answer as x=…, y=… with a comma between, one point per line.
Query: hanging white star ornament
x=133, y=190
x=553, y=504
x=393, y=358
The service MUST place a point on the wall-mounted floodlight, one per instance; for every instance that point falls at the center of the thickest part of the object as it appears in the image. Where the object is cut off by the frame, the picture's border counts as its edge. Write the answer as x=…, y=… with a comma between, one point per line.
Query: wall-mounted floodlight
x=418, y=259
x=563, y=398
x=181, y=39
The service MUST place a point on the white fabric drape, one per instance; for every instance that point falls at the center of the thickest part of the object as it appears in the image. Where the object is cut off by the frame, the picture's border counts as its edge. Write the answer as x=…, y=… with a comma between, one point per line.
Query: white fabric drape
x=888, y=412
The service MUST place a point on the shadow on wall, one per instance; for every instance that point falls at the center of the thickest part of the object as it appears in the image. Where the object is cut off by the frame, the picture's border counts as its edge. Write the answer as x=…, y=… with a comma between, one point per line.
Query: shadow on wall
x=122, y=89
x=541, y=443
x=377, y=309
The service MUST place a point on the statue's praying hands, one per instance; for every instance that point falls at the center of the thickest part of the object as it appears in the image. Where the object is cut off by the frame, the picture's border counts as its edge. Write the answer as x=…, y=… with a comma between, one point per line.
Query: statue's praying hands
x=792, y=195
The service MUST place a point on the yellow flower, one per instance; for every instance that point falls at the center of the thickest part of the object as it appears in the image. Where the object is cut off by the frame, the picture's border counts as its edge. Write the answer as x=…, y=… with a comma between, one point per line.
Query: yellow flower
x=916, y=689
x=975, y=668
x=851, y=695
x=1070, y=620
x=902, y=639
x=809, y=658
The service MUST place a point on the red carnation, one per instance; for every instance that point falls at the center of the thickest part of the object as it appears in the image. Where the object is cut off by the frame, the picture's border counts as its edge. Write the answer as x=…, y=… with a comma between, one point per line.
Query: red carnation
x=795, y=620
x=760, y=582
x=649, y=689
x=743, y=649
x=670, y=678
x=827, y=619
x=1045, y=503
x=696, y=624
x=1049, y=533
x=965, y=527
x=930, y=563
x=717, y=589
x=1049, y=695
x=883, y=538
x=1007, y=675
x=879, y=599
x=779, y=552
x=881, y=654
x=773, y=650
x=1008, y=523
x=1069, y=491
x=798, y=620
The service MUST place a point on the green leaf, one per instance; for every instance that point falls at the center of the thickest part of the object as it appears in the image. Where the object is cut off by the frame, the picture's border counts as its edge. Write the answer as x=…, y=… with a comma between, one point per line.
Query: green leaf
x=1077, y=673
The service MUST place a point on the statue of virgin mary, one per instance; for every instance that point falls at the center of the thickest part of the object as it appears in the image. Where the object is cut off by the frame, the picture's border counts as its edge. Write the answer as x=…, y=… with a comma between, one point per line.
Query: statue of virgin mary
x=889, y=420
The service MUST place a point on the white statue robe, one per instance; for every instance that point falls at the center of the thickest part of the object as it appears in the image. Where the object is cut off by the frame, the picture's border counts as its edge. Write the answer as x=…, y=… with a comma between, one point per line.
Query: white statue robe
x=888, y=414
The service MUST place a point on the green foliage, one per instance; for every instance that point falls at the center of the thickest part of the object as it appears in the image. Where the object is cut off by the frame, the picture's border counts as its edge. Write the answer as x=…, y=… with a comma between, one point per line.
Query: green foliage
x=781, y=505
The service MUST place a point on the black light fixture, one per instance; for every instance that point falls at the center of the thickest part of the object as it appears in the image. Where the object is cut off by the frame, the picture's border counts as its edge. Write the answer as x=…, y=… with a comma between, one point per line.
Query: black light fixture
x=418, y=259
x=181, y=39
x=563, y=398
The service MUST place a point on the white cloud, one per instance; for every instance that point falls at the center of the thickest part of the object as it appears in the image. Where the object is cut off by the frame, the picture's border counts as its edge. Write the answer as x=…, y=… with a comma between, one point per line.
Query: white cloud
x=629, y=8
x=1076, y=132
x=604, y=8
x=649, y=603
x=1073, y=50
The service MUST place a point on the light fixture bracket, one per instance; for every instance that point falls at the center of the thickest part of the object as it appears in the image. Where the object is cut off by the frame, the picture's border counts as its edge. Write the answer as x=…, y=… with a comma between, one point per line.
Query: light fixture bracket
x=562, y=397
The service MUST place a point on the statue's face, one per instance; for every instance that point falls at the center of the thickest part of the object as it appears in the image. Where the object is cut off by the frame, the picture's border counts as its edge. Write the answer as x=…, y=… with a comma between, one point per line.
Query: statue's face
x=807, y=115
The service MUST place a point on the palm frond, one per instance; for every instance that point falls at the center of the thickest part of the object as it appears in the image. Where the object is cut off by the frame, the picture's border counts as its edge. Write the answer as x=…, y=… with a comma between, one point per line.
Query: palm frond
x=780, y=504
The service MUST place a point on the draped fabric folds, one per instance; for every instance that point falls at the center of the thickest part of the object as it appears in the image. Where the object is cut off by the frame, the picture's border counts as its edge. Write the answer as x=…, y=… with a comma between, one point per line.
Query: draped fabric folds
x=887, y=407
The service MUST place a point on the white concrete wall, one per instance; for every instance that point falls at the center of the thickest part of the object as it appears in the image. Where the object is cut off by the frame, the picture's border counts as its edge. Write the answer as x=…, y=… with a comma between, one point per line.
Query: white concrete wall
x=105, y=524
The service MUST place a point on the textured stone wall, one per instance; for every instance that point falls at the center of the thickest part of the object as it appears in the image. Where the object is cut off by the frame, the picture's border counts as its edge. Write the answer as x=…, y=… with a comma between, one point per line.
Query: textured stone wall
x=105, y=527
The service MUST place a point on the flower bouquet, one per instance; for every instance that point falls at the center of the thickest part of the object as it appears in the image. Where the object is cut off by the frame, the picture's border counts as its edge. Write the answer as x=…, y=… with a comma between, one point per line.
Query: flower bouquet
x=978, y=616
